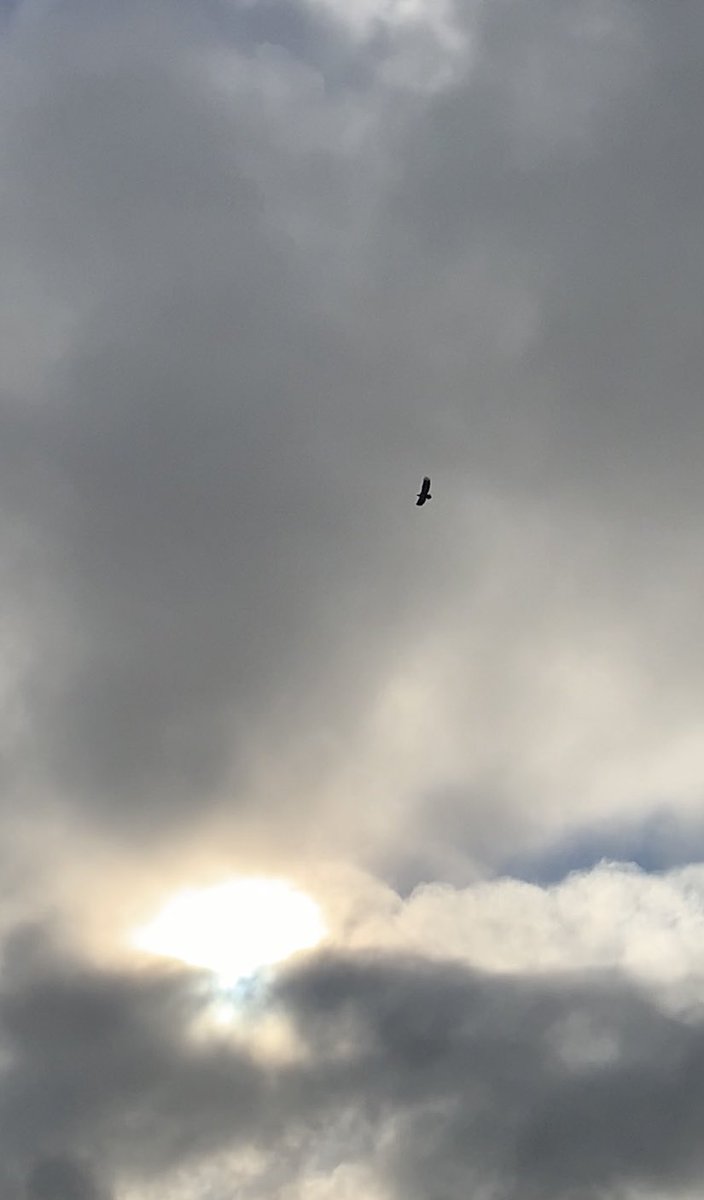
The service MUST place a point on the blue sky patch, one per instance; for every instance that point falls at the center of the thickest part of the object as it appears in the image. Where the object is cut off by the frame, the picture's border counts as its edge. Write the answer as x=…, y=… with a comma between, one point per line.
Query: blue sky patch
x=659, y=843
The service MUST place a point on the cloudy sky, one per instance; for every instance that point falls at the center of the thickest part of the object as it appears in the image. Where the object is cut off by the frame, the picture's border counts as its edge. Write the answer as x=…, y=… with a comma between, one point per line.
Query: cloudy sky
x=266, y=263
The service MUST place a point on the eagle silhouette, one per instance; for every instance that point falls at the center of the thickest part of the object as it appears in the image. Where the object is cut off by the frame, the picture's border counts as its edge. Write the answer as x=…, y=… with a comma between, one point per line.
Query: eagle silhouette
x=424, y=493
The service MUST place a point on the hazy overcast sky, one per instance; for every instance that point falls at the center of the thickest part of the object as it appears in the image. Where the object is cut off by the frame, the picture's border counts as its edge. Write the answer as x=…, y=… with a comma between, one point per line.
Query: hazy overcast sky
x=266, y=263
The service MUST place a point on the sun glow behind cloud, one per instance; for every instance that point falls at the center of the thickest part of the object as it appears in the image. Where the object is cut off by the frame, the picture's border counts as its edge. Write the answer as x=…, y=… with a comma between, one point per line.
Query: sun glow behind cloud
x=235, y=928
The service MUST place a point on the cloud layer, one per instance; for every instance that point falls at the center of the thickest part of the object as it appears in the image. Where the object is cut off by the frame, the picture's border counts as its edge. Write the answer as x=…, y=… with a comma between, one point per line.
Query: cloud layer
x=266, y=264
x=423, y=1075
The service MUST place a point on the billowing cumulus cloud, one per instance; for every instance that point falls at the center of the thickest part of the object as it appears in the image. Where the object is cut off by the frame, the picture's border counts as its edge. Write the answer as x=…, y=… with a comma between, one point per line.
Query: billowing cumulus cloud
x=266, y=264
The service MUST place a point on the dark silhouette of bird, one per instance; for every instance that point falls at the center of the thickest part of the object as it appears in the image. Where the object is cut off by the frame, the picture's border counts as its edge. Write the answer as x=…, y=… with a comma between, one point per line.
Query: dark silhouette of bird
x=424, y=493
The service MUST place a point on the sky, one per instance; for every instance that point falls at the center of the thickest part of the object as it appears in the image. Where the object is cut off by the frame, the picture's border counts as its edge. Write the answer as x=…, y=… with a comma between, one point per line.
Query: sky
x=266, y=263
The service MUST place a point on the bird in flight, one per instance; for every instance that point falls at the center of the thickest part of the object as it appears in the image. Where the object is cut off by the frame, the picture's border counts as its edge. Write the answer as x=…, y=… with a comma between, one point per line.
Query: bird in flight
x=424, y=493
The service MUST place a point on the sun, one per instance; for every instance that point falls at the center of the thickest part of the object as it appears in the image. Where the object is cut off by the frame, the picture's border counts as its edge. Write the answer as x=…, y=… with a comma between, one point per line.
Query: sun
x=235, y=928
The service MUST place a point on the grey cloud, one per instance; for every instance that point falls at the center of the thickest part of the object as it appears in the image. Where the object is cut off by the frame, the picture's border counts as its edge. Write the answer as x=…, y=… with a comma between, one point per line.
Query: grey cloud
x=262, y=306
x=101, y=1065
x=61, y=1178
x=212, y=553
x=252, y=290
x=311, y=37
x=438, y=1079
x=208, y=538
x=594, y=217
x=481, y=1082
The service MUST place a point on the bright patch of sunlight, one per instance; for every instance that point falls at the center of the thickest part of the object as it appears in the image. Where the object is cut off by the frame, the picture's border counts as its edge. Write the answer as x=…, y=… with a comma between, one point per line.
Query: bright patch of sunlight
x=235, y=928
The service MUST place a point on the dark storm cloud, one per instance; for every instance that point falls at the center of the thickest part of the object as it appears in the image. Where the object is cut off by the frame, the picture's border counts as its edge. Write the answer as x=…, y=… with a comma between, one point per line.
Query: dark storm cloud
x=439, y=1079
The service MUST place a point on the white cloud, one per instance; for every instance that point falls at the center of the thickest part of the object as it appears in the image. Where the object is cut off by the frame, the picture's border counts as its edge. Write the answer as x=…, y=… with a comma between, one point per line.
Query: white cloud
x=614, y=917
